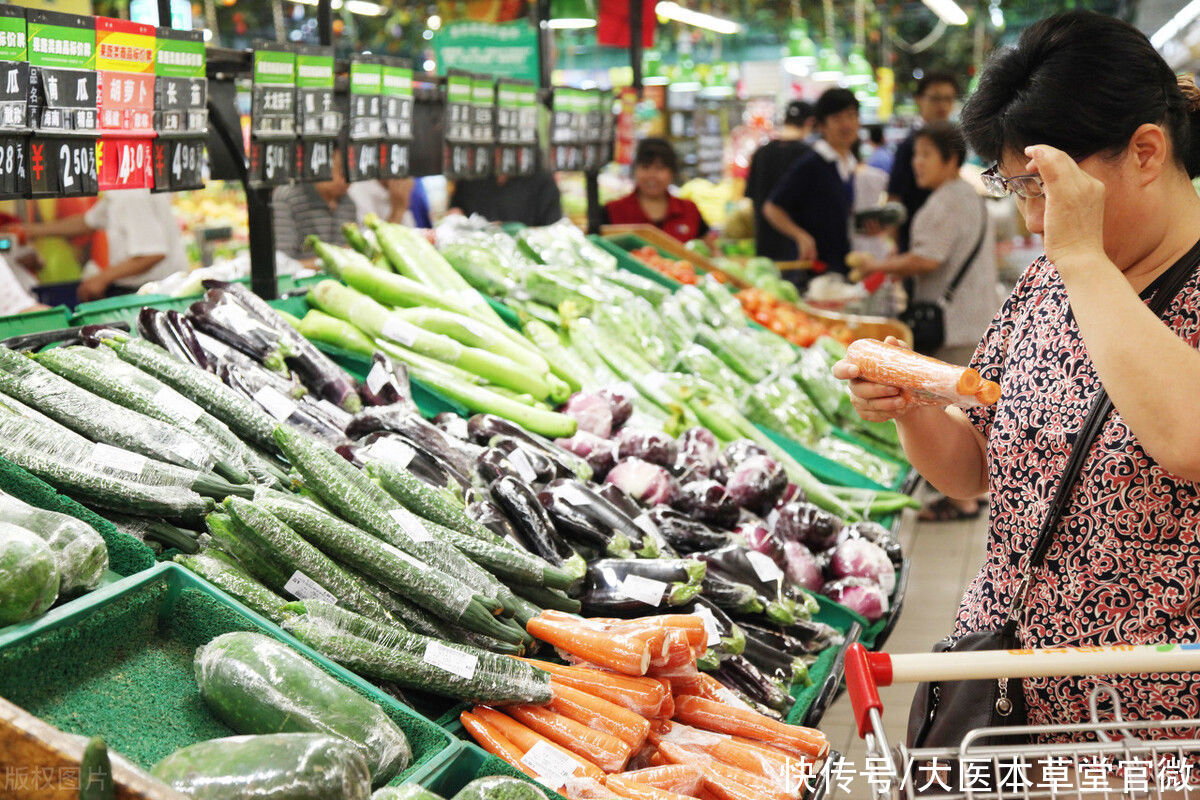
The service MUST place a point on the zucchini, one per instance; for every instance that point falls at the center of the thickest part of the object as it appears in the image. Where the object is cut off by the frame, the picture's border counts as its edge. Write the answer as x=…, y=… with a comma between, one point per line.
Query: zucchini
x=79, y=551
x=415, y=661
x=499, y=787
x=28, y=575
x=223, y=572
x=281, y=766
x=303, y=563
x=258, y=685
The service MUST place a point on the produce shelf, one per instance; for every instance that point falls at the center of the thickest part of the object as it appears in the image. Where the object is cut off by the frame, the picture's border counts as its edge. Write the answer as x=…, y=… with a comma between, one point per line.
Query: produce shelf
x=119, y=663
x=469, y=763
x=35, y=321
x=826, y=674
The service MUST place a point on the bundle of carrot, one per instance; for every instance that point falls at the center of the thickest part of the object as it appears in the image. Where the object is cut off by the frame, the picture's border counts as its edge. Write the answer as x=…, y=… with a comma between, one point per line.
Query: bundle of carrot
x=633, y=719
x=923, y=379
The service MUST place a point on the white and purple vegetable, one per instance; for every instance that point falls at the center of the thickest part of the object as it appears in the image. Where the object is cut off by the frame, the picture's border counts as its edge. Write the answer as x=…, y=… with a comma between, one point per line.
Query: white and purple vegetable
x=647, y=445
x=877, y=534
x=858, y=558
x=757, y=483
x=698, y=451
x=860, y=595
x=758, y=537
x=599, y=453
x=647, y=483
x=620, y=403
x=806, y=524
x=592, y=412
x=801, y=566
x=707, y=501
x=732, y=457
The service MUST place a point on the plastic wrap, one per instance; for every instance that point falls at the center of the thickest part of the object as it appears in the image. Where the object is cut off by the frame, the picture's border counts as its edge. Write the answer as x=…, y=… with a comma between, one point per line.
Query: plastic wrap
x=20, y=409
x=97, y=418
x=563, y=243
x=28, y=575
x=415, y=661
x=498, y=787
x=257, y=685
x=925, y=380
x=281, y=766
x=409, y=791
x=784, y=771
x=222, y=572
x=79, y=551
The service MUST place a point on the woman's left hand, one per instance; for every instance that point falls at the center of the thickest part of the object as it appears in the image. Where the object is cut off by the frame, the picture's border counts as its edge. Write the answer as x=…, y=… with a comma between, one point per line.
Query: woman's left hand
x=1073, y=219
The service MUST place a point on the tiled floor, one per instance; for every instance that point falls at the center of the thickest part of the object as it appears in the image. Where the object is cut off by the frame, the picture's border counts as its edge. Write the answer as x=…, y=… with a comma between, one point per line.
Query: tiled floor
x=945, y=557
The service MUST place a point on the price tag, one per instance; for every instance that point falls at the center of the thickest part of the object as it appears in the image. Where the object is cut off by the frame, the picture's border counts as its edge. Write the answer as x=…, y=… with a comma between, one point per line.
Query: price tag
x=362, y=161
x=520, y=462
x=277, y=404
x=178, y=405
x=104, y=455
x=392, y=451
x=411, y=524
x=178, y=164
x=394, y=159
x=61, y=166
x=376, y=378
x=552, y=766
x=399, y=331
x=316, y=156
x=644, y=590
x=710, y=624
x=273, y=162
x=125, y=163
x=764, y=567
x=456, y=662
x=574, y=496
x=14, y=178
x=302, y=587
x=648, y=527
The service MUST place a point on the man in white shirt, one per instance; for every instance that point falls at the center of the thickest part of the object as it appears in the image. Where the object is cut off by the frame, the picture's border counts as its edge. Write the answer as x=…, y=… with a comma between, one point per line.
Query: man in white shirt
x=144, y=240
x=13, y=297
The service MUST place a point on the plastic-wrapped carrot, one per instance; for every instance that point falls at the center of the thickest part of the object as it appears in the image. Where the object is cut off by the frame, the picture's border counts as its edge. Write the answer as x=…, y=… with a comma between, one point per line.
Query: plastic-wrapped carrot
x=678, y=655
x=679, y=778
x=605, y=751
x=719, y=772
x=722, y=718
x=644, y=696
x=598, y=713
x=701, y=685
x=490, y=739
x=927, y=379
x=639, y=791
x=621, y=652
x=690, y=624
x=525, y=739
x=783, y=770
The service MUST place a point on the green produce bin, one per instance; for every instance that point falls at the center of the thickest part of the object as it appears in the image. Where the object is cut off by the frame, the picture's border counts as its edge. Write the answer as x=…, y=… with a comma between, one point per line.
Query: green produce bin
x=623, y=245
x=469, y=763
x=827, y=673
x=50, y=319
x=119, y=663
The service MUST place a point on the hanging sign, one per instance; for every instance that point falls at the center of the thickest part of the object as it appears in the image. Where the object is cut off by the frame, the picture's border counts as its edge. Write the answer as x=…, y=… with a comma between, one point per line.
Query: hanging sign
x=459, y=132
x=273, y=116
x=516, y=128
x=180, y=110
x=125, y=104
x=483, y=126
x=503, y=49
x=14, y=102
x=395, y=151
x=317, y=119
x=567, y=130
x=365, y=118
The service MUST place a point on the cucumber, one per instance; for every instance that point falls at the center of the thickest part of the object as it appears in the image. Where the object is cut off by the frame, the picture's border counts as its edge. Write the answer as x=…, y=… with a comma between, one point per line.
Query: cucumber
x=258, y=685
x=260, y=565
x=499, y=787
x=415, y=661
x=281, y=766
x=96, y=418
x=95, y=772
x=223, y=572
x=13, y=406
x=409, y=791
x=28, y=575
x=548, y=598
x=425, y=501
x=297, y=557
x=79, y=551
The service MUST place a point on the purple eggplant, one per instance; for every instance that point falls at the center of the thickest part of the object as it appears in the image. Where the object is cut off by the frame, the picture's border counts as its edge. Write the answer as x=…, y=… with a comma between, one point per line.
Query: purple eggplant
x=758, y=537
x=861, y=595
x=698, y=451
x=739, y=673
x=805, y=523
x=533, y=526
x=655, y=447
x=387, y=383
x=805, y=638
x=600, y=454
x=801, y=566
x=757, y=483
x=686, y=534
x=620, y=403
x=573, y=523
x=404, y=453
x=492, y=465
x=707, y=501
x=791, y=494
x=154, y=326
x=489, y=515
x=482, y=428
x=452, y=424
x=858, y=558
x=458, y=453
x=611, y=517
x=529, y=464
x=592, y=412
x=90, y=335
x=220, y=316
x=647, y=483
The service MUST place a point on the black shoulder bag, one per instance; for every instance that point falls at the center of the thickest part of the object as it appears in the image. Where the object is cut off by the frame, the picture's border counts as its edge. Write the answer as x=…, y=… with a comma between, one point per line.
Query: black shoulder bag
x=928, y=319
x=943, y=713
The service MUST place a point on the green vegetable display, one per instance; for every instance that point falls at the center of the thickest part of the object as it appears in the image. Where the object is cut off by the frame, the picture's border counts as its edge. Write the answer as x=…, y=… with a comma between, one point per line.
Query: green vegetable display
x=28, y=575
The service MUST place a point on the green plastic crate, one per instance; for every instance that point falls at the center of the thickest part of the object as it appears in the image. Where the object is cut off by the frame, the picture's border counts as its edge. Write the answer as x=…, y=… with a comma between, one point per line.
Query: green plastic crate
x=826, y=673
x=119, y=663
x=50, y=319
x=469, y=763
x=621, y=246
x=126, y=307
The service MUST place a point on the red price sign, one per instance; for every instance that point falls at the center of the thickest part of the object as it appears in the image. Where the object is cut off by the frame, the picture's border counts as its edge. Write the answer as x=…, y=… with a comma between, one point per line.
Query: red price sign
x=125, y=163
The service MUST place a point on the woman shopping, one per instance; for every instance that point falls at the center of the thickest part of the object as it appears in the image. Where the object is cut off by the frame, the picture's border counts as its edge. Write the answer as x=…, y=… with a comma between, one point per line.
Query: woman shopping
x=1090, y=129
x=655, y=168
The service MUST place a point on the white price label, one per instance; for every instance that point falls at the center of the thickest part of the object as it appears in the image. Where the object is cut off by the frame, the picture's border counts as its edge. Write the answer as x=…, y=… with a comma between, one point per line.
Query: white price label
x=212, y=346
x=401, y=332
x=178, y=405
x=302, y=587
x=644, y=590
x=764, y=567
x=453, y=661
x=520, y=462
x=391, y=451
x=648, y=527
x=277, y=404
x=104, y=455
x=574, y=496
x=411, y=524
x=376, y=378
x=552, y=766
x=710, y=624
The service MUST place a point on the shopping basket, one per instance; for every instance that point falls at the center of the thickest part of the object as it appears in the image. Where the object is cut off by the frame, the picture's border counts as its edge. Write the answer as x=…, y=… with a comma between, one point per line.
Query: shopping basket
x=1114, y=758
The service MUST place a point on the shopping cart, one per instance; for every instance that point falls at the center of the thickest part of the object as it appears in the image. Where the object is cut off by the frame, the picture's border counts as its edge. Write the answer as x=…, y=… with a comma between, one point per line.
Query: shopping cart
x=1114, y=757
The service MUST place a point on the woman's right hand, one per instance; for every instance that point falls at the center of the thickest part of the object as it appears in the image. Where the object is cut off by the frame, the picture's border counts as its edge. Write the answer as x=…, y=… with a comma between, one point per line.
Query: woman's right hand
x=874, y=402
x=806, y=246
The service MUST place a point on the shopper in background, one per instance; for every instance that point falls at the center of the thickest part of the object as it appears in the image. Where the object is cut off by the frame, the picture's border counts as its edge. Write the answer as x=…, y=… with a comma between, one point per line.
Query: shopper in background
x=529, y=200
x=881, y=157
x=143, y=236
x=319, y=209
x=937, y=92
x=812, y=204
x=655, y=169
x=770, y=163
x=13, y=297
x=1094, y=134
x=398, y=200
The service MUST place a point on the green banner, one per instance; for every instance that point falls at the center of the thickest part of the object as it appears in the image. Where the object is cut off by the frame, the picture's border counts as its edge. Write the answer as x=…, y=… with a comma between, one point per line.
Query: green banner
x=366, y=77
x=458, y=89
x=275, y=67
x=502, y=50
x=180, y=54
x=397, y=81
x=61, y=40
x=314, y=70
x=12, y=34
x=483, y=92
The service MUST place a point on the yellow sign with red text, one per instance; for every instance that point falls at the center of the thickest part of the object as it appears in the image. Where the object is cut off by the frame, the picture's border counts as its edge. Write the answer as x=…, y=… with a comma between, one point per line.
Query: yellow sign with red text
x=124, y=46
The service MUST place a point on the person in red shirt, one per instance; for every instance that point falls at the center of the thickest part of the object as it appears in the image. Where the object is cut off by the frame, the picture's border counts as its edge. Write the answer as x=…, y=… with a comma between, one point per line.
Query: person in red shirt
x=655, y=166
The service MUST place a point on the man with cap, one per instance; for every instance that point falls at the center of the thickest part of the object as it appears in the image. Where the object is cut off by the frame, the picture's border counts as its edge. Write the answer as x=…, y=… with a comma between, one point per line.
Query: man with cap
x=768, y=165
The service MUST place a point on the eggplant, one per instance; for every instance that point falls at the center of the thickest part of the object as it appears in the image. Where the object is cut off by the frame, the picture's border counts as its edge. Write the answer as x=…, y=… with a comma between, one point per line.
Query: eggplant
x=547, y=598
x=600, y=510
x=93, y=335
x=570, y=521
x=154, y=325
x=387, y=384
x=481, y=428
x=620, y=500
x=698, y=450
x=734, y=455
x=667, y=570
x=487, y=514
x=251, y=377
x=740, y=564
x=406, y=454
x=530, y=465
x=458, y=453
x=607, y=593
x=733, y=639
x=600, y=454
x=707, y=501
x=757, y=484
x=220, y=316
x=805, y=523
x=877, y=534
x=493, y=465
x=652, y=446
x=739, y=673
x=250, y=382
x=88, y=335
x=532, y=524
x=592, y=413
x=731, y=596
x=684, y=533
x=774, y=662
x=804, y=638
x=452, y=424
x=334, y=414
x=620, y=403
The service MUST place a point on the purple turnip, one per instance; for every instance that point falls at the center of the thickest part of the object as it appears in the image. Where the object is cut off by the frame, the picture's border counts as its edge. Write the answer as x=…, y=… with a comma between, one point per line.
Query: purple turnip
x=647, y=483
x=860, y=595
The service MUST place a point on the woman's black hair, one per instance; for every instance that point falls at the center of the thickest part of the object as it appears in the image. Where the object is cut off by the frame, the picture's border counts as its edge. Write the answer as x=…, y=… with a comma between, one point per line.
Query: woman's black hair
x=654, y=150
x=1081, y=82
x=834, y=101
x=947, y=138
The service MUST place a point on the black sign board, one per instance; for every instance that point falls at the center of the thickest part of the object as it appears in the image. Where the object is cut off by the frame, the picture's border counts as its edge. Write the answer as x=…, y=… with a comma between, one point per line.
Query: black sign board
x=62, y=166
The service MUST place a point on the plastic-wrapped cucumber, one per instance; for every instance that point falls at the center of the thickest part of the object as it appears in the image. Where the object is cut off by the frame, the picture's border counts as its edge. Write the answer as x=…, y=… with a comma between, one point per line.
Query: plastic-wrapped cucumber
x=221, y=571
x=79, y=551
x=498, y=787
x=409, y=791
x=257, y=685
x=280, y=766
x=28, y=575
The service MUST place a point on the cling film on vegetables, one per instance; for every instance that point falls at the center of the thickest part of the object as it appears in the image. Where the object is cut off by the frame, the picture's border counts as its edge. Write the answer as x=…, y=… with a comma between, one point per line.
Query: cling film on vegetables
x=79, y=551
x=29, y=578
x=223, y=572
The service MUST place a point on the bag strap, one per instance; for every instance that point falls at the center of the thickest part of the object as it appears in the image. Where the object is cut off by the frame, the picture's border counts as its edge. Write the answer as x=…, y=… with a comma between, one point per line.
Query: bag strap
x=948, y=295
x=1165, y=288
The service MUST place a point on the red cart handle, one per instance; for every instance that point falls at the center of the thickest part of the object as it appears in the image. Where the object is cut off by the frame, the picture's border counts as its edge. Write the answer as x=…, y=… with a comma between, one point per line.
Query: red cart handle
x=864, y=673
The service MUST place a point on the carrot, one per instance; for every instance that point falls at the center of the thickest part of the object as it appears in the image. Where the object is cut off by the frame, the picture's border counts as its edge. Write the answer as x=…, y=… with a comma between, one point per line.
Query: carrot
x=679, y=778
x=490, y=739
x=690, y=624
x=778, y=767
x=524, y=739
x=926, y=377
x=598, y=713
x=701, y=685
x=622, y=653
x=667, y=711
x=659, y=760
x=721, y=773
x=729, y=790
x=638, y=791
x=677, y=654
x=644, y=696
x=605, y=751
x=988, y=393
x=722, y=718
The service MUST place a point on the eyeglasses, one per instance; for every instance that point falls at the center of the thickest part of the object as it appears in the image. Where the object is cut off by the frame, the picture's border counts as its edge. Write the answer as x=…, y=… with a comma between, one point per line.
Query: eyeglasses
x=1023, y=186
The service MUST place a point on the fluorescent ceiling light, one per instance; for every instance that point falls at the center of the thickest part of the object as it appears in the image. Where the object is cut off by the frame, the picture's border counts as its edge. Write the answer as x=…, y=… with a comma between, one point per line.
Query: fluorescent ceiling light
x=947, y=11
x=434, y=22
x=1186, y=16
x=673, y=11
x=363, y=8
x=570, y=23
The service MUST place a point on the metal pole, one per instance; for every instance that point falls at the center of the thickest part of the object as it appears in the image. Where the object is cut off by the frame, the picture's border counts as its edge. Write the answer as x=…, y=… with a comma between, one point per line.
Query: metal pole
x=545, y=38
x=325, y=22
x=262, y=242
x=636, y=9
x=164, y=13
